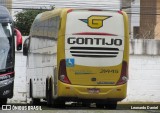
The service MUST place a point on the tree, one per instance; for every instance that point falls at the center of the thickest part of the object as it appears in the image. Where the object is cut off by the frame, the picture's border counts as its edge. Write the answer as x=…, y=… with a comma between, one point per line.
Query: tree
x=24, y=20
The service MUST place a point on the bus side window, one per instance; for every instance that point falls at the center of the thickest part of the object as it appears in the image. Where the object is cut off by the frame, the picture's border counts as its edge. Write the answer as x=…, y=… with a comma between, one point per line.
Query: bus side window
x=49, y=27
x=46, y=22
x=54, y=27
x=41, y=29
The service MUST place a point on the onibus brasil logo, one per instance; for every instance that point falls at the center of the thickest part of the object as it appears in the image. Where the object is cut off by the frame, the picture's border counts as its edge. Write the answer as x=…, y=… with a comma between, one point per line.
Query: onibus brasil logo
x=95, y=21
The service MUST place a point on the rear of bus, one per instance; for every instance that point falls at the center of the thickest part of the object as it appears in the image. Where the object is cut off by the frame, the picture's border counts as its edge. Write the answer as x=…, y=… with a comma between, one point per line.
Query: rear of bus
x=95, y=56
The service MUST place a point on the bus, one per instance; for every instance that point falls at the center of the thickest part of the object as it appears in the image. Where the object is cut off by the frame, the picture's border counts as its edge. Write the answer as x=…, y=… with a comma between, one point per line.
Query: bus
x=78, y=55
x=7, y=54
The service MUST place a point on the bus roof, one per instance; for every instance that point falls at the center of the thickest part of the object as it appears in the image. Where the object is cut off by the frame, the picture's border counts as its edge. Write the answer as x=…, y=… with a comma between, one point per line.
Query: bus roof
x=50, y=14
x=55, y=12
x=5, y=15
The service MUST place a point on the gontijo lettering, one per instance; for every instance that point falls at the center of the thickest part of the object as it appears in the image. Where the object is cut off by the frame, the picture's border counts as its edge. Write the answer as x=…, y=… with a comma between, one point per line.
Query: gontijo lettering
x=92, y=41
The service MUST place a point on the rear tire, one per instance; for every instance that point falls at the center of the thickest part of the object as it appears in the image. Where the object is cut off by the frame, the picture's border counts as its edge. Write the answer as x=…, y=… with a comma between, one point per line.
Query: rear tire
x=49, y=93
x=35, y=101
x=30, y=89
x=100, y=105
x=108, y=105
x=3, y=101
x=58, y=103
x=111, y=105
x=85, y=104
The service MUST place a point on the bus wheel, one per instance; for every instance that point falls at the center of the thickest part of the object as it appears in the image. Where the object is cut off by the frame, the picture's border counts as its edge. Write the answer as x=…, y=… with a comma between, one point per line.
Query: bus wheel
x=49, y=93
x=30, y=89
x=3, y=101
x=111, y=105
x=58, y=103
x=35, y=101
x=85, y=104
x=100, y=105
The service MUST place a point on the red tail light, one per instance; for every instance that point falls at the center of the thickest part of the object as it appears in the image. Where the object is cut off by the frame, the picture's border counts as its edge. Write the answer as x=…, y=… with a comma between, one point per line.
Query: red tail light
x=124, y=74
x=18, y=39
x=70, y=10
x=63, y=73
x=120, y=12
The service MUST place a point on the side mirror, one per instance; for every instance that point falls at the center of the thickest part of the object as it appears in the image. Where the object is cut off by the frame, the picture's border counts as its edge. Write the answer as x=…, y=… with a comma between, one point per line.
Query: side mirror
x=26, y=47
x=18, y=39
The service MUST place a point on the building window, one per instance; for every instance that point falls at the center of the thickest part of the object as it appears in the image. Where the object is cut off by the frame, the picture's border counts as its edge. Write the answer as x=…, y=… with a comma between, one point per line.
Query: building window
x=136, y=32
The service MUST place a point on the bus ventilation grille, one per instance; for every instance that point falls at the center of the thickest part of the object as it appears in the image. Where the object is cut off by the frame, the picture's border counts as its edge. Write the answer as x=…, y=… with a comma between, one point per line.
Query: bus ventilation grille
x=95, y=52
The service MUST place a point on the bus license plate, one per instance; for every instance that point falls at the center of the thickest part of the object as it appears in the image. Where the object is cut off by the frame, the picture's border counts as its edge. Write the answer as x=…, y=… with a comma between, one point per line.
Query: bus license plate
x=93, y=90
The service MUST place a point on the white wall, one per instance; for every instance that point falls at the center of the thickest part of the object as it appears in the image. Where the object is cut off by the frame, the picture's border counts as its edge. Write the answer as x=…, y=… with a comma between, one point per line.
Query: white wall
x=144, y=78
x=20, y=79
x=144, y=73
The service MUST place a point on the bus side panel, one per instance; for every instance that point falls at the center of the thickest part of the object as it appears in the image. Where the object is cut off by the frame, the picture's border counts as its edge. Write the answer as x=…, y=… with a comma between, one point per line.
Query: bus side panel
x=60, y=45
x=126, y=50
x=42, y=57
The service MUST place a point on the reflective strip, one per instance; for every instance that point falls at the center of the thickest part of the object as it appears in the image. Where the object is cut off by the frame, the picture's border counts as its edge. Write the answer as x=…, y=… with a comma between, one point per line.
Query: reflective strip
x=7, y=74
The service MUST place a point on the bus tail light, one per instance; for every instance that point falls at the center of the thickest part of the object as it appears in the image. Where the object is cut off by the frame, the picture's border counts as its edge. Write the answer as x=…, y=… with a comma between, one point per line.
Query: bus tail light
x=70, y=10
x=120, y=12
x=18, y=39
x=63, y=73
x=124, y=74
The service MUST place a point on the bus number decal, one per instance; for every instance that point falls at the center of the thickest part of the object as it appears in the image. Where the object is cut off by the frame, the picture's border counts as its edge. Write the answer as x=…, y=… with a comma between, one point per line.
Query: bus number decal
x=108, y=71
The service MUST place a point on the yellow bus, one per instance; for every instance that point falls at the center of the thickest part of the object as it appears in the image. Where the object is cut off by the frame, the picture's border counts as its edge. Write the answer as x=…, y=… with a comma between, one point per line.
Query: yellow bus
x=78, y=55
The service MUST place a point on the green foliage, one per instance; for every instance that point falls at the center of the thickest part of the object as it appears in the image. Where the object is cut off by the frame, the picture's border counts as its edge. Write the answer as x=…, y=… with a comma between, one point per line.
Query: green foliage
x=24, y=20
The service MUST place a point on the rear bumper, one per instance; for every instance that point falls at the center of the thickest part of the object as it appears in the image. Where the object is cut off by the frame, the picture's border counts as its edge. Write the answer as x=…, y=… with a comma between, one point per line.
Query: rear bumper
x=6, y=85
x=6, y=91
x=71, y=92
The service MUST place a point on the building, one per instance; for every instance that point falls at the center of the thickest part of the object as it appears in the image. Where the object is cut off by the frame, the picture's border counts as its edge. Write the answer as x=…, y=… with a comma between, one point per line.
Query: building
x=149, y=19
x=7, y=3
x=135, y=18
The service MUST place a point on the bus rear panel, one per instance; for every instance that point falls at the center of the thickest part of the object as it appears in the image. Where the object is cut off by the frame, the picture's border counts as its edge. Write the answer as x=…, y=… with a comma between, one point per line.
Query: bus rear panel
x=95, y=56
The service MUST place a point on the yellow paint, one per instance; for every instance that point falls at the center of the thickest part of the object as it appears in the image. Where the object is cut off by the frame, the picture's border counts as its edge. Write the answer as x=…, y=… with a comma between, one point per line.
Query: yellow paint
x=106, y=92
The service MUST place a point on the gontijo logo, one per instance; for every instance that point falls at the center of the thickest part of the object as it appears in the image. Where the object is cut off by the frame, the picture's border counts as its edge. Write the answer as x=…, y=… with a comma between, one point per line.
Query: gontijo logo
x=95, y=21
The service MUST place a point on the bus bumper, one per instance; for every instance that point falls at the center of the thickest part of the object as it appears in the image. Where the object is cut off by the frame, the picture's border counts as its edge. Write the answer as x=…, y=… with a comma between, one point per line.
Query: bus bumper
x=116, y=93
x=6, y=88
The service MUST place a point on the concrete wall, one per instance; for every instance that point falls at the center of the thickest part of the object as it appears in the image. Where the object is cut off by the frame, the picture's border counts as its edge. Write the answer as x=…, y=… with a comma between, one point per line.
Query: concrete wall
x=144, y=78
x=20, y=79
x=144, y=73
